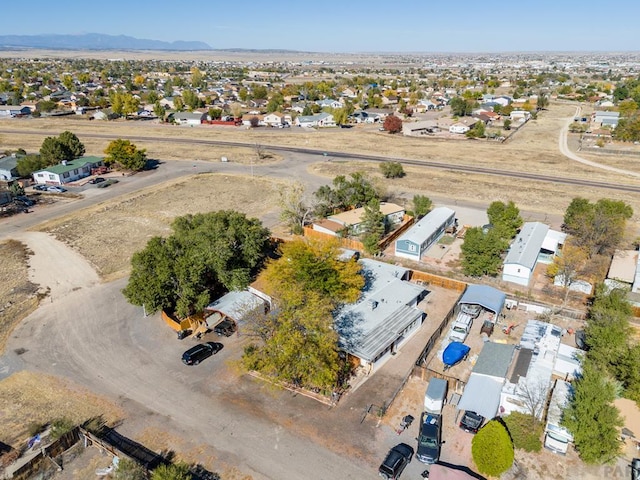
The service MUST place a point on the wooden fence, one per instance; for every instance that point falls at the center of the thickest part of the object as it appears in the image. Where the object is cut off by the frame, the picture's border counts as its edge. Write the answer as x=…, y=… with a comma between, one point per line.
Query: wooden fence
x=344, y=242
x=34, y=467
x=437, y=280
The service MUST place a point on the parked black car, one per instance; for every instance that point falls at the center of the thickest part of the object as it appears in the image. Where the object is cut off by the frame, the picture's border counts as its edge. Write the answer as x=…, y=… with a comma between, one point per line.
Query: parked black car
x=430, y=438
x=225, y=328
x=42, y=188
x=396, y=461
x=196, y=354
x=471, y=421
x=93, y=181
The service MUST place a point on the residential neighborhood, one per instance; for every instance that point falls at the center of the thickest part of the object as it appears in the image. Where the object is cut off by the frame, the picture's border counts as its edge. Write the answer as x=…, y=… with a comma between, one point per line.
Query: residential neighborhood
x=296, y=250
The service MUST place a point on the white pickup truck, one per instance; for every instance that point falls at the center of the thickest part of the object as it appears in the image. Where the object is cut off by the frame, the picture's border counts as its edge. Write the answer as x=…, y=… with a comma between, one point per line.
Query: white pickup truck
x=460, y=328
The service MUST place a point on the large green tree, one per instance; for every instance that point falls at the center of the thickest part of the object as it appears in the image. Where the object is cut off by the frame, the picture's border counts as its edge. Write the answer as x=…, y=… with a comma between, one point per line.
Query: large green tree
x=592, y=418
x=346, y=193
x=298, y=342
x=492, y=449
x=481, y=252
x=421, y=205
x=125, y=154
x=505, y=217
x=373, y=226
x=30, y=163
x=598, y=227
x=72, y=144
x=207, y=252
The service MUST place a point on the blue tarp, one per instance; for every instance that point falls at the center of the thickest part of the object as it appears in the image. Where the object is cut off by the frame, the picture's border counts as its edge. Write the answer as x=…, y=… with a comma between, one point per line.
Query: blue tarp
x=454, y=352
x=490, y=298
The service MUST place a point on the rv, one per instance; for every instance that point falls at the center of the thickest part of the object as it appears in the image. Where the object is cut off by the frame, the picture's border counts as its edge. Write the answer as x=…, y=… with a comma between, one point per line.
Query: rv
x=556, y=437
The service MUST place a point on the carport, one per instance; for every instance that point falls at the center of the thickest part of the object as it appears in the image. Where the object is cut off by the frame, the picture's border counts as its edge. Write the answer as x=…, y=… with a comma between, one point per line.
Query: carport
x=482, y=395
x=487, y=297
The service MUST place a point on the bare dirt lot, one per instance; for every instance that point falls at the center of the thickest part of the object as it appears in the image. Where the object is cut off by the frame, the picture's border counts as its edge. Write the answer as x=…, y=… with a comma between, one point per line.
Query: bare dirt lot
x=17, y=294
x=109, y=233
x=28, y=397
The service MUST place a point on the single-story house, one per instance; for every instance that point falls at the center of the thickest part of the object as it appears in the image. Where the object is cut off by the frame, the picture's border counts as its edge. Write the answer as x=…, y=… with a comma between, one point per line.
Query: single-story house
x=274, y=119
x=67, y=171
x=248, y=119
x=329, y=103
x=623, y=269
x=329, y=227
x=535, y=242
x=384, y=318
x=426, y=232
x=482, y=391
x=13, y=110
x=189, y=118
x=235, y=305
x=8, y=170
x=519, y=116
x=353, y=219
x=322, y=119
x=605, y=118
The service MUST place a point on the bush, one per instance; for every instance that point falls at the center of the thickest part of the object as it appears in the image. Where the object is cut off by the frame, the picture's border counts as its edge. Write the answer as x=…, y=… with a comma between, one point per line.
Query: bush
x=525, y=431
x=130, y=470
x=60, y=426
x=392, y=170
x=492, y=449
x=174, y=471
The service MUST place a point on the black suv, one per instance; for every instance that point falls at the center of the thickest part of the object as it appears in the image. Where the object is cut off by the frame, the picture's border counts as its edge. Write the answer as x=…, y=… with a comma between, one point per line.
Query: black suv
x=471, y=421
x=196, y=354
x=429, y=440
x=396, y=461
x=225, y=328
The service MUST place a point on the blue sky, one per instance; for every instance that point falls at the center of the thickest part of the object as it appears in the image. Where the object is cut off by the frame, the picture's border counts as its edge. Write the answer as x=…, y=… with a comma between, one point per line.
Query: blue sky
x=342, y=26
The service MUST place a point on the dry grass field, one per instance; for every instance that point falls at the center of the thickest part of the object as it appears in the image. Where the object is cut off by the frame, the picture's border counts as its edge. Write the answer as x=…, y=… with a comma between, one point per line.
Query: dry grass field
x=532, y=149
x=28, y=398
x=18, y=296
x=109, y=233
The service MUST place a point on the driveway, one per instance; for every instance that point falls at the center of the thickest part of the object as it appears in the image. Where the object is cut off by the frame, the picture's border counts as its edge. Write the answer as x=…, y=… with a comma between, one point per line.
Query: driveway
x=89, y=333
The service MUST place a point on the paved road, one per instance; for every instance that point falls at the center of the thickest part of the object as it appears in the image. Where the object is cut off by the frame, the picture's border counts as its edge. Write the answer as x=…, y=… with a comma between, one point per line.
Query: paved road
x=375, y=158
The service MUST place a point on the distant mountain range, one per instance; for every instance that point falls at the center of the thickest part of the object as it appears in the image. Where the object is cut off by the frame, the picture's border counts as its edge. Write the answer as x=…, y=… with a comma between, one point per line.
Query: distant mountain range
x=94, y=41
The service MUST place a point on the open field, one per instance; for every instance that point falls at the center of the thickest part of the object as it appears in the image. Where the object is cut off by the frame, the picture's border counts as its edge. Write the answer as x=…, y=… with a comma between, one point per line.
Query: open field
x=109, y=233
x=28, y=398
x=18, y=296
x=532, y=149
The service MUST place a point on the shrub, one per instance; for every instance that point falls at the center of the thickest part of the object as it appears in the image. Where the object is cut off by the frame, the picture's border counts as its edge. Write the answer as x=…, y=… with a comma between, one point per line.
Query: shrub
x=130, y=470
x=492, y=449
x=60, y=426
x=175, y=471
x=392, y=170
x=525, y=431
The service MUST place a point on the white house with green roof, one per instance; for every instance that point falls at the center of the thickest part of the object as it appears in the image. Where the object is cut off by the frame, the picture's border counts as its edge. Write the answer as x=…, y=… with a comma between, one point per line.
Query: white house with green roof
x=67, y=171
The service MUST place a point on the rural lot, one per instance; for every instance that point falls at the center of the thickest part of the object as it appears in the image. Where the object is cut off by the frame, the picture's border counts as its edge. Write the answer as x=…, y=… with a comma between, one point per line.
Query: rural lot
x=85, y=351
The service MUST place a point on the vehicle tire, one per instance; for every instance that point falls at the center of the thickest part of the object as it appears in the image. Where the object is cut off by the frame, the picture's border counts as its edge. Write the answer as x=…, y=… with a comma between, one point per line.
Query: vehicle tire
x=196, y=362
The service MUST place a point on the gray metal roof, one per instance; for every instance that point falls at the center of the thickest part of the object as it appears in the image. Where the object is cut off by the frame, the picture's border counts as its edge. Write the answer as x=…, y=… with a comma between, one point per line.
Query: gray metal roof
x=482, y=395
x=526, y=246
x=490, y=298
x=8, y=163
x=427, y=225
x=369, y=326
x=494, y=360
x=236, y=304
